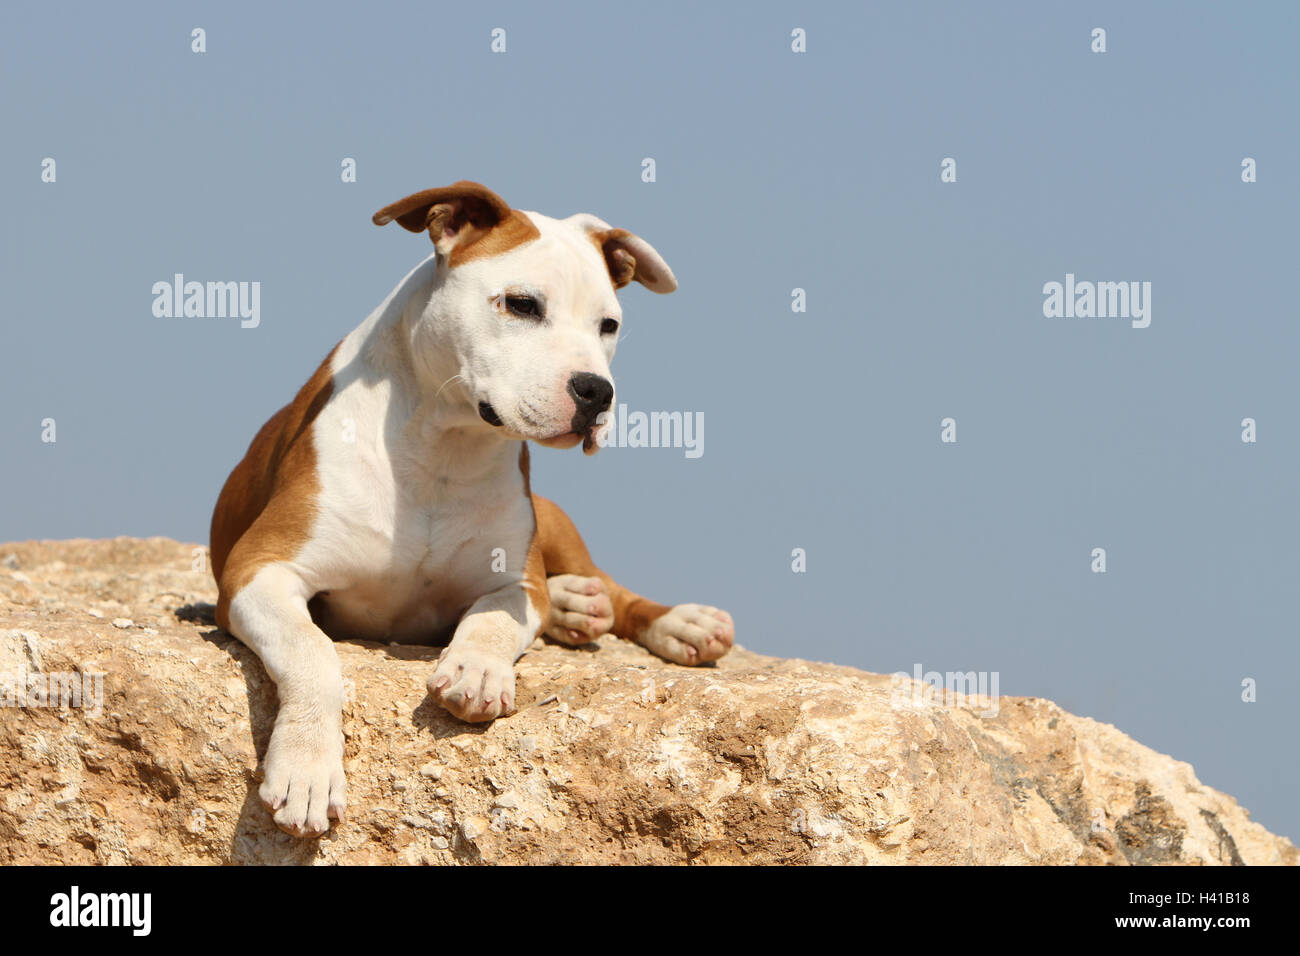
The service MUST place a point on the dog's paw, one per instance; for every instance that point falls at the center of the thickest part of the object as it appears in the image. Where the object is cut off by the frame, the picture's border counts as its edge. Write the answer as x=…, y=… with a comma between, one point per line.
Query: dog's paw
x=473, y=684
x=581, y=610
x=690, y=634
x=303, y=785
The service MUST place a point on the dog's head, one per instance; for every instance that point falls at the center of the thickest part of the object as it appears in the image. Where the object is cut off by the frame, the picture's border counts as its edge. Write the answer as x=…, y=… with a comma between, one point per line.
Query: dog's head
x=523, y=321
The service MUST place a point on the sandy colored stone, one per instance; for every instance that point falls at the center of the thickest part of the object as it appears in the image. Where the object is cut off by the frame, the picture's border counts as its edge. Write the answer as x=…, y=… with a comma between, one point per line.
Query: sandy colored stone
x=613, y=757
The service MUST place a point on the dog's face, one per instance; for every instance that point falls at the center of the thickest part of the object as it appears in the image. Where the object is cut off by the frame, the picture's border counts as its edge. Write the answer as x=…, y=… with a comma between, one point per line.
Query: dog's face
x=535, y=329
x=526, y=310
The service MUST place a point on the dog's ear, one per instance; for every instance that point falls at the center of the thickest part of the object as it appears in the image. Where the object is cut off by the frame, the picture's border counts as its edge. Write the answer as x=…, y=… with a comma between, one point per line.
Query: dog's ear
x=628, y=256
x=455, y=216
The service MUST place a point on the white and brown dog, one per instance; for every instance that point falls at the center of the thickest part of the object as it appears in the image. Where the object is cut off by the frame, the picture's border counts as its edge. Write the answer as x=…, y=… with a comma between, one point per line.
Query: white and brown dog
x=390, y=500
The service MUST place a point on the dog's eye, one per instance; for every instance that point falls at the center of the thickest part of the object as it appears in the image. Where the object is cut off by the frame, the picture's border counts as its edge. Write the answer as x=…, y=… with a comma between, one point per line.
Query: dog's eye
x=524, y=305
x=608, y=326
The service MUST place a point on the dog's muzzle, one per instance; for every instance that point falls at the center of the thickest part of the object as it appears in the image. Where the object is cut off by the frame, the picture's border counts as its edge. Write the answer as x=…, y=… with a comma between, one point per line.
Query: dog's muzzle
x=489, y=414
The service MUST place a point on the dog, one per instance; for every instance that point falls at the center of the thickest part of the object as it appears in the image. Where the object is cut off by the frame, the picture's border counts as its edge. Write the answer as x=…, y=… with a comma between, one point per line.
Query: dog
x=390, y=501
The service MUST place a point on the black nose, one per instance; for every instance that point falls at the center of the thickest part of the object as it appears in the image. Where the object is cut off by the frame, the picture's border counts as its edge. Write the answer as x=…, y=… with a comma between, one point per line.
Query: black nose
x=591, y=396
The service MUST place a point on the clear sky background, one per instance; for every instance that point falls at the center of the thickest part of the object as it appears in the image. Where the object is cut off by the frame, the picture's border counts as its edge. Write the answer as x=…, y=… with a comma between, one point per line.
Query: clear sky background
x=775, y=170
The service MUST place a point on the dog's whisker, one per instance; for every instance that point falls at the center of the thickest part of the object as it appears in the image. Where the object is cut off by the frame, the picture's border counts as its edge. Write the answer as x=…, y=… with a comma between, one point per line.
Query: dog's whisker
x=446, y=383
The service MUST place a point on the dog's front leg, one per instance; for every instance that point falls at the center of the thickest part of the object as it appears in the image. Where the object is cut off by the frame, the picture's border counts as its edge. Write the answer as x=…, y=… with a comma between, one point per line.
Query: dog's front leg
x=303, y=784
x=475, y=677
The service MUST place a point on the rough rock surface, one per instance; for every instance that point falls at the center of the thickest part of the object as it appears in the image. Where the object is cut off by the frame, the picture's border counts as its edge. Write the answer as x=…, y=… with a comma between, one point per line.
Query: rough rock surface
x=613, y=757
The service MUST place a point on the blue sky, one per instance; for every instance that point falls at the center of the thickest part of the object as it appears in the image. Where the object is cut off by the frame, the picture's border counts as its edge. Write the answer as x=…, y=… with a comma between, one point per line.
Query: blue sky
x=775, y=171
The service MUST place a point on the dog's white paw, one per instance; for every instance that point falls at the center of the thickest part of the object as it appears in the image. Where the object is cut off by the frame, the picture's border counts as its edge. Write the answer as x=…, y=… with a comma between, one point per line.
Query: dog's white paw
x=690, y=634
x=304, y=786
x=581, y=610
x=473, y=684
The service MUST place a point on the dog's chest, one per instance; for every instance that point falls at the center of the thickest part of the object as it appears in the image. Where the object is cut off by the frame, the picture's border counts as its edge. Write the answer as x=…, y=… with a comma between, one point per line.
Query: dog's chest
x=408, y=559
x=413, y=525
x=414, y=583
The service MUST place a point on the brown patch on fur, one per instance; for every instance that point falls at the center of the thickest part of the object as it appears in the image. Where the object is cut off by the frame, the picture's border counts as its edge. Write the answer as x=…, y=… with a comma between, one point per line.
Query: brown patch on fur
x=465, y=220
x=474, y=202
x=629, y=258
x=564, y=552
x=514, y=230
x=535, y=583
x=266, y=508
x=534, y=567
x=620, y=262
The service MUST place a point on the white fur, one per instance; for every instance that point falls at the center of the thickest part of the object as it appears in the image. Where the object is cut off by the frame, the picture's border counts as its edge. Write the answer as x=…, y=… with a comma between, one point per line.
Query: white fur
x=417, y=492
x=413, y=507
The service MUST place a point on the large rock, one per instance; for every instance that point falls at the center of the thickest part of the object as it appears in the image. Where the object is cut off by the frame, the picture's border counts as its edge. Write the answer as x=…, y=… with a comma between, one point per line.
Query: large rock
x=614, y=755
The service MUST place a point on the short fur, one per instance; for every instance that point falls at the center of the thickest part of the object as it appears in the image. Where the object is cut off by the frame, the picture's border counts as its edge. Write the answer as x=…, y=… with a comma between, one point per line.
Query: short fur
x=388, y=501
